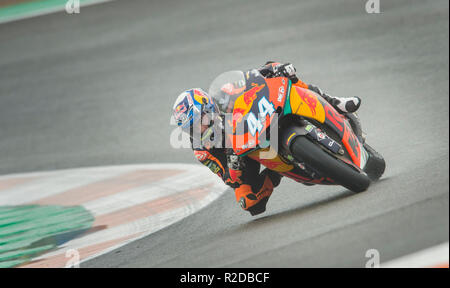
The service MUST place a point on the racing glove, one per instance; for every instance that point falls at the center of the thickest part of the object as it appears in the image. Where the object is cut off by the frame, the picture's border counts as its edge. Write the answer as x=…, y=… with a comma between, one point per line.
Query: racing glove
x=274, y=69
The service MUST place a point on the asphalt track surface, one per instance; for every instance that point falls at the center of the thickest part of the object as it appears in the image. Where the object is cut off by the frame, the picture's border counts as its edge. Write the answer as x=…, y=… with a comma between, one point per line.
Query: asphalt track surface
x=97, y=89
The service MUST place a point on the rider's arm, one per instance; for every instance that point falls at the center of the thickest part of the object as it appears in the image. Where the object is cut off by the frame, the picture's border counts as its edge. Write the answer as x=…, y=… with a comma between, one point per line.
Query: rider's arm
x=209, y=160
x=330, y=99
x=276, y=69
x=219, y=163
x=268, y=69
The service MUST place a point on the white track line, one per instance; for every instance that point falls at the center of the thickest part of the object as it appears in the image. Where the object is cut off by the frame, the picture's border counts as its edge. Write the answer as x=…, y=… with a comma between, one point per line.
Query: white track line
x=146, y=226
x=175, y=208
x=132, y=197
x=49, y=184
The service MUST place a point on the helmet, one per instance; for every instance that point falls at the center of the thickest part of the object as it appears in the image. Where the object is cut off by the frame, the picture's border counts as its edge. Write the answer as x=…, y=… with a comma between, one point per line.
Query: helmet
x=189, y=109
x=190, y=106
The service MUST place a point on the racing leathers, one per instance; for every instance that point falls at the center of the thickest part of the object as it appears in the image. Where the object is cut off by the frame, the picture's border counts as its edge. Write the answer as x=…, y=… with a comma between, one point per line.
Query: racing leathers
x=253, y=188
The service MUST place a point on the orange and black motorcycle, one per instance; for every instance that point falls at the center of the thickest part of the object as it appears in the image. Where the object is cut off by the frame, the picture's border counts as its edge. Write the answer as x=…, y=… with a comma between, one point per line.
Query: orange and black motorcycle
x=294, y=131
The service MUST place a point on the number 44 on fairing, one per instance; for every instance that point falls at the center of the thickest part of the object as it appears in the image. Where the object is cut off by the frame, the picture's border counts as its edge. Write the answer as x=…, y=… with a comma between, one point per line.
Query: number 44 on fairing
x=265, y=108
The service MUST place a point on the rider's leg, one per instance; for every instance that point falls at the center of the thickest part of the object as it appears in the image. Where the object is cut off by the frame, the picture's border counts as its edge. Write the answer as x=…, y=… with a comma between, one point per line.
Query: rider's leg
x=253, y=198
x=342, y=104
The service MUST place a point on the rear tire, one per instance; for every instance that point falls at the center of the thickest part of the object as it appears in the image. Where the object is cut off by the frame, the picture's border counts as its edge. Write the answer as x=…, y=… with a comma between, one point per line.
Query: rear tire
x=306, y=151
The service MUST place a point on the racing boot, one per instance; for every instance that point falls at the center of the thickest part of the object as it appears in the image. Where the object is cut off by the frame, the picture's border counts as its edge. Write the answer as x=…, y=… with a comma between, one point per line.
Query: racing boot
x=255, y=203
x=343, y=105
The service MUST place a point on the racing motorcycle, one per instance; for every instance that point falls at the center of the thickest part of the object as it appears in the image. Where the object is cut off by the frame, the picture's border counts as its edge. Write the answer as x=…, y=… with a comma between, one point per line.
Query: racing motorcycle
x=315, y=144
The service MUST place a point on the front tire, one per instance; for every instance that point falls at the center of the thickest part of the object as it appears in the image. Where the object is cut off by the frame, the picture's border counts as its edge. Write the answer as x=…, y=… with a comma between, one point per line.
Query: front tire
x=311, y=154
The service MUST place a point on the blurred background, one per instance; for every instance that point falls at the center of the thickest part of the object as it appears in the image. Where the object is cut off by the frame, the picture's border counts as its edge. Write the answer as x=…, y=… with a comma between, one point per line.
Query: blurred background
x=97, y=88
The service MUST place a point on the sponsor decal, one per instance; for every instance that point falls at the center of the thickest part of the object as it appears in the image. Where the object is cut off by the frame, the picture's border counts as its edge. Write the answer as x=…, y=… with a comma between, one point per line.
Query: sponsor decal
x=311, y=101
x=309, y=128
x=213, y=166
x=180, y=113
x=249, y=144
x=250, y=95
x=354, y=144
x=180, y=108
x=334, y=118
x=201, y=155
x=280, y=93
x=238, y=114
x=320, y=135
x=200, y=96
x=244, y=103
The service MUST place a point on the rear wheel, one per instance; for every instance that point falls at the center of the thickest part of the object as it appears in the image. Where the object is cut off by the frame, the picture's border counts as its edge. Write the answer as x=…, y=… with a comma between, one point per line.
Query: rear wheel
x=306, y=151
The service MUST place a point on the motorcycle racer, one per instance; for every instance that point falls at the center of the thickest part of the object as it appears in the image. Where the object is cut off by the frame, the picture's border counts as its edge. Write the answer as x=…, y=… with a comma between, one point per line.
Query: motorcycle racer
x=252, y=188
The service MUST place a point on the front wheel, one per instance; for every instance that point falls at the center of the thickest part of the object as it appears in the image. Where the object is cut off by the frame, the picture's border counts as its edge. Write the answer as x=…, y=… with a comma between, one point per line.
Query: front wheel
x=304, y=150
